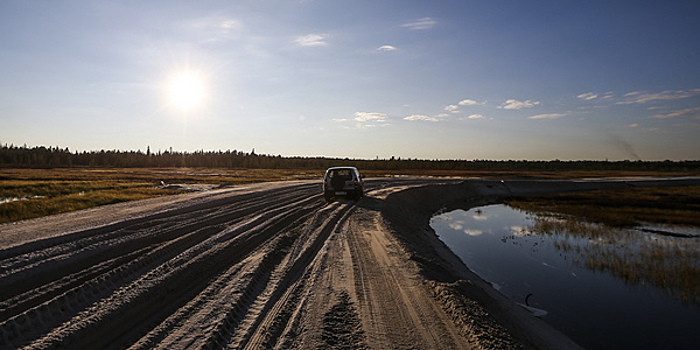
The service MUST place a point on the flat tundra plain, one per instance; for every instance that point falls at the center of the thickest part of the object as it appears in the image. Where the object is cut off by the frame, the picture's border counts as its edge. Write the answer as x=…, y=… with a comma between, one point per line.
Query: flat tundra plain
x=261, y=266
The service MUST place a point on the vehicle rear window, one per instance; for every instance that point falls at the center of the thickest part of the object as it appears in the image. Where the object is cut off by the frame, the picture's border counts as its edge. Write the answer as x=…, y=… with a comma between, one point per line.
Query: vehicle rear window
x=344, y=173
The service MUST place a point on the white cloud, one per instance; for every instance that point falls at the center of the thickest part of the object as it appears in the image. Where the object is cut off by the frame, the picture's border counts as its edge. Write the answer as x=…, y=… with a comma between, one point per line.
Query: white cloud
x=457, y=225
x=642, y=97
x=549, y=116
x=469, y=102
x=213, y=28
x=421, y=24
x=473, y=232
x=368, y=126
x=230, y=24
x=515, y=104
x=312, y=40
x=452, y=108
x=365, y=116
x=679, y=113
x=476, y=116
x=415, y=117
x=634, y=125
x=588, y=96
x=518, y=231
x=386, y=48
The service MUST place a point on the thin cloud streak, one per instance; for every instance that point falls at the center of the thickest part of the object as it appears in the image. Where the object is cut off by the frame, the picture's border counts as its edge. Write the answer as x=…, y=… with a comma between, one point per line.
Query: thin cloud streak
x=695, y=112
x=515, y=104
x=421, y=117
x=386, y=48
x=312, y=40
x=420, y=24
x=641, y=97
x=588, y=96
x=365, y=116
x=548, y=116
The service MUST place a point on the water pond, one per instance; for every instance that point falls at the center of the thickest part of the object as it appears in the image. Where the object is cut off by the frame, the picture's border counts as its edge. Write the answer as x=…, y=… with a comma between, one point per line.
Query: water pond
x=605, y=288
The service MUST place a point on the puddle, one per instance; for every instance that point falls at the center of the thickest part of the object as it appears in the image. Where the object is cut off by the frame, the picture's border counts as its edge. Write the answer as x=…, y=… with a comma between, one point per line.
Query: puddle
x=606, y=288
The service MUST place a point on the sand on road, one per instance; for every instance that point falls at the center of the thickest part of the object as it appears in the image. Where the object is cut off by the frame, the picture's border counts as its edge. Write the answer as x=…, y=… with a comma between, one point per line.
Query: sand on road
x=263, y=266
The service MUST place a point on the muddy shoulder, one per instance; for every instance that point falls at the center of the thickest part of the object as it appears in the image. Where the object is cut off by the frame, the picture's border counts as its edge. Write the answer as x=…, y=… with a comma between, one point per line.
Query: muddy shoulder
x=481, y=312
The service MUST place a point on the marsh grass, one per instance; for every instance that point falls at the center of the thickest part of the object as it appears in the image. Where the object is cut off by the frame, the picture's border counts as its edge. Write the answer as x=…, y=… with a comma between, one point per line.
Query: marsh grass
x=623, y=207
x=524, y=174
x=66, y=189
x=50, y=205
x=31, y=193
x=597, y=227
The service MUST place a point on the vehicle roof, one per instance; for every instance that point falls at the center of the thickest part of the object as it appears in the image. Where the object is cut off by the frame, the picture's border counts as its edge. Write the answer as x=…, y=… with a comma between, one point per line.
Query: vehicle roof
x=342, y=167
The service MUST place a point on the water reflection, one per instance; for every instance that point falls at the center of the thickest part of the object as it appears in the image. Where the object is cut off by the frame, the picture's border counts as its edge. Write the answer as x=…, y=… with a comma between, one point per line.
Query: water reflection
x=605, y=287
x=636, y=257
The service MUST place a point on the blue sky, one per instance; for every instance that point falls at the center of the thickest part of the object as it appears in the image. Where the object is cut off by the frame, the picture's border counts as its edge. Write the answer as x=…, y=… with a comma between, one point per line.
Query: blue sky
x=514, y=79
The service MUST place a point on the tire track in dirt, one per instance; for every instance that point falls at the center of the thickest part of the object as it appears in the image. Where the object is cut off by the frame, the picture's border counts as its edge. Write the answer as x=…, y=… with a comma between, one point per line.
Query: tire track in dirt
x=390, y=296
x=342, y=327
x=286, y=300
x=116, y=240
x=52, y=303
x=246, y=270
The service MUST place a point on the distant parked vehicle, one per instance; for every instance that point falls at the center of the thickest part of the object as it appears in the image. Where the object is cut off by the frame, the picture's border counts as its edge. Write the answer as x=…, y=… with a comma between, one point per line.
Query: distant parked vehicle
x=343, y=181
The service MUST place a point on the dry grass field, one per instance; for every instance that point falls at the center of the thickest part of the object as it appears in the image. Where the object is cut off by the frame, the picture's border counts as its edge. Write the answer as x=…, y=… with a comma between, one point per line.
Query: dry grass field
x=667, y=259
x=623, y=207
x=30, y=193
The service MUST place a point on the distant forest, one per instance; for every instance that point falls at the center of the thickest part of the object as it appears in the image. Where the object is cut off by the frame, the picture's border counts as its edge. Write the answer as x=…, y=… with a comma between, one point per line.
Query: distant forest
x=55, y=157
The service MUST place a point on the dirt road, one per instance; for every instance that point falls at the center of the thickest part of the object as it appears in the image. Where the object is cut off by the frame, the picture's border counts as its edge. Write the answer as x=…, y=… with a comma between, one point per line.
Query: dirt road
x=251, y=267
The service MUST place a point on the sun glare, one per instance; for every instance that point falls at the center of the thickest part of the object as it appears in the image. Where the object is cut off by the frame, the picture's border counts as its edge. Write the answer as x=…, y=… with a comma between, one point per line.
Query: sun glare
x=186, y=90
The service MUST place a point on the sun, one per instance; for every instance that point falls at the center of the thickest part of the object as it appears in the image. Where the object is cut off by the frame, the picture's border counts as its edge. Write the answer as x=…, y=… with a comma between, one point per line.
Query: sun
x=186, y=90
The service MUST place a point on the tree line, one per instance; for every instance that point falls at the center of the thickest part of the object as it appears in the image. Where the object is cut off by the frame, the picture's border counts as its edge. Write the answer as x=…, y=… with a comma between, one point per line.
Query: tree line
x=55, y=157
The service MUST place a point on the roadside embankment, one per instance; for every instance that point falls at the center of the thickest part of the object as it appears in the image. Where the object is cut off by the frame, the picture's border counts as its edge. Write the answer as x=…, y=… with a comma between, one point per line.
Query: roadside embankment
x=407, y=215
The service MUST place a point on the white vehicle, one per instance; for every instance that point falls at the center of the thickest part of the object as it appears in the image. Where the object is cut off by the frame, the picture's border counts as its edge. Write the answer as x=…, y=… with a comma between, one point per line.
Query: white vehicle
x=343, y=181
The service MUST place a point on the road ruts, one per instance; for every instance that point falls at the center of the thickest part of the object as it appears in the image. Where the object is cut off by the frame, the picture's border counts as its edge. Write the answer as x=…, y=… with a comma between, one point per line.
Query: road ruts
x=104, y=287
x=227, y=272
